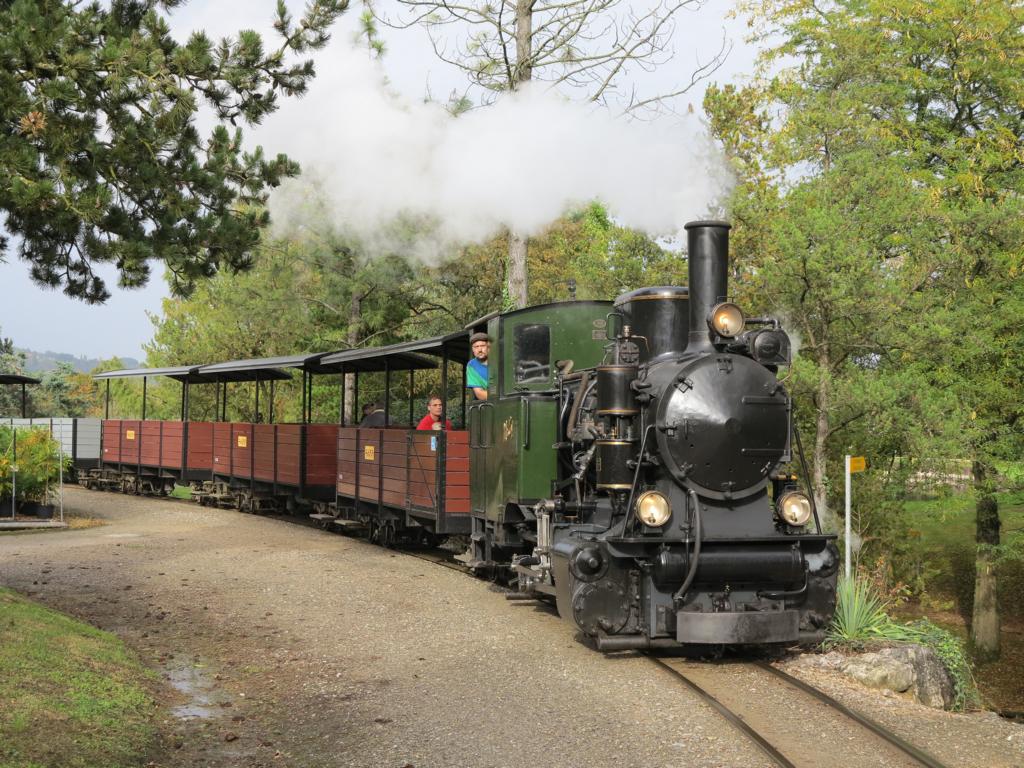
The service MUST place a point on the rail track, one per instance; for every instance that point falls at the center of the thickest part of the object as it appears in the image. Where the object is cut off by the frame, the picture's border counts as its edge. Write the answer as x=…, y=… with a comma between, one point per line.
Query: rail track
x=699, y=677
x=741, y=693
x=797, y=750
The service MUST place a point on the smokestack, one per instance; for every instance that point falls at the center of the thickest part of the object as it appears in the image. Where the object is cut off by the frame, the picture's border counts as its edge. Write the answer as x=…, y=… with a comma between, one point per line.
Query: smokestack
x=708, y=248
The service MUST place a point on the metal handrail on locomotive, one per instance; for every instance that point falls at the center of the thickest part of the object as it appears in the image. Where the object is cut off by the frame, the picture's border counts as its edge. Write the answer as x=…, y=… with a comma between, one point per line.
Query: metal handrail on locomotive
x=629, y=463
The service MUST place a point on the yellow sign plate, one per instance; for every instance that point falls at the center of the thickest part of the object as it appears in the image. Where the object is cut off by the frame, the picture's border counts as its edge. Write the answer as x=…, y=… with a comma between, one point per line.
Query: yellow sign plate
x=369, y=452
x=129, y=434
x=243, y=441
x=858, y=464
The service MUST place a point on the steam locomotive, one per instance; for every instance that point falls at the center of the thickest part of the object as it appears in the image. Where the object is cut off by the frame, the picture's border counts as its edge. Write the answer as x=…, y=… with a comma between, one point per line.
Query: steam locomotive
x=629, y=462
x=669, y=521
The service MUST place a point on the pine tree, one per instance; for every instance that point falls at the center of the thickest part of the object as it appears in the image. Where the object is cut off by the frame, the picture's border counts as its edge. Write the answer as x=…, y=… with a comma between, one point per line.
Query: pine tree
x=101, y=159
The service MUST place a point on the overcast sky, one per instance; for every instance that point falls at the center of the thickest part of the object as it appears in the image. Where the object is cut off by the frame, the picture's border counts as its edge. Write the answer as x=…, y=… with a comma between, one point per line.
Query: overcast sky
x=41, y=319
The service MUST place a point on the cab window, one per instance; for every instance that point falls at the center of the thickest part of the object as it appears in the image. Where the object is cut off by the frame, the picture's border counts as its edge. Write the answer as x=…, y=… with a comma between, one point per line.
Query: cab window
x=532, y=353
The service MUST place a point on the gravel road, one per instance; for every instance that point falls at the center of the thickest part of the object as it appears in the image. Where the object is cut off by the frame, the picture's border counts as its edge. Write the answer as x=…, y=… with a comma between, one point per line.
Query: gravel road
x=284, y=645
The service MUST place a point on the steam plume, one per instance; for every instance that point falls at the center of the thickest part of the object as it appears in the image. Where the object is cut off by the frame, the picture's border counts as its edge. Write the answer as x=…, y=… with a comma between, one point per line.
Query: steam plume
x=519, y=163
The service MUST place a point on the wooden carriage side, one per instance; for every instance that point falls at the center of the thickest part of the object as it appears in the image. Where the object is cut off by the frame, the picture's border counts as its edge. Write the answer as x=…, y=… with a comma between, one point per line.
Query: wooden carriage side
x=419, y=472
x=162, y=444
x=199, y=451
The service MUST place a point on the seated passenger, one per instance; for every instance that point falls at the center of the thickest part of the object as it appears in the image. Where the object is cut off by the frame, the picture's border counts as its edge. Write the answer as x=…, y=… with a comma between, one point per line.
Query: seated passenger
x=375, y=416
x=476, y=369
x=433, y=418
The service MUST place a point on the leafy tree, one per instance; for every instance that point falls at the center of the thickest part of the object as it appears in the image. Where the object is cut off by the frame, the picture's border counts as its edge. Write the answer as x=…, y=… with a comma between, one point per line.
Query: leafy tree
x=102, y=161
x=61, y=394
x=826, y=252
x=586, y=246
x=230, y=317
x=125, y=394
x=880, y=177
x=11, y=361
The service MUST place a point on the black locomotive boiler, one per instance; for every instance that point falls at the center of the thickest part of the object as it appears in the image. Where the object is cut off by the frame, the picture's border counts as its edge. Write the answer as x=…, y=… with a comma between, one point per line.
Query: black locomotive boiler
x=672, y=522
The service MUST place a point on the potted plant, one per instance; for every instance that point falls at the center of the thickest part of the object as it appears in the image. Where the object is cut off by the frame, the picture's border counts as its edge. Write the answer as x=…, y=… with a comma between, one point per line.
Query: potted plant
x=6, y=466
x=35, y=456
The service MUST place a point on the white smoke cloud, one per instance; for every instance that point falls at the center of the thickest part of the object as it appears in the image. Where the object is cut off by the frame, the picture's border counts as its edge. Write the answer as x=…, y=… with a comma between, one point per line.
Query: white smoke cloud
x=520, y=163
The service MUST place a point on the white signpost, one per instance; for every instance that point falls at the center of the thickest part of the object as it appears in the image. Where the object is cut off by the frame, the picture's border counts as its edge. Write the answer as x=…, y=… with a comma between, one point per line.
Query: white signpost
x=853, y=464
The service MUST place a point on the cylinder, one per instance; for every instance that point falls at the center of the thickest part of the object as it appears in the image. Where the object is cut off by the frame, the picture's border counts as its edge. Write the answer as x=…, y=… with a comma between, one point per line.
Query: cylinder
x=660, y=316
x=708, y=256
x=614, y=394
x=613, y=472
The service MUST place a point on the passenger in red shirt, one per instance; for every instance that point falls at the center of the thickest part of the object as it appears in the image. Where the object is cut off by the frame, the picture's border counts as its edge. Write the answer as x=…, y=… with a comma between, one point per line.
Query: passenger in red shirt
x=433, y=418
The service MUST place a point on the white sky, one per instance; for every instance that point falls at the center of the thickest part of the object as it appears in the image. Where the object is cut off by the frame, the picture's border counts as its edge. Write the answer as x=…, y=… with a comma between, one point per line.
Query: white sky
x=42, y=319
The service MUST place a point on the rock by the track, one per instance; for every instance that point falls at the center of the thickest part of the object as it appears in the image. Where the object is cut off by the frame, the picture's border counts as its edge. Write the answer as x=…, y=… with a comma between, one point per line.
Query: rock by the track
x=906, y=668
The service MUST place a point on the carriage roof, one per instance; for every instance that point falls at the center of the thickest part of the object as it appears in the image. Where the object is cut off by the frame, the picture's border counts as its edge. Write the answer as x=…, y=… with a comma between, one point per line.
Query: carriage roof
x=17, y=378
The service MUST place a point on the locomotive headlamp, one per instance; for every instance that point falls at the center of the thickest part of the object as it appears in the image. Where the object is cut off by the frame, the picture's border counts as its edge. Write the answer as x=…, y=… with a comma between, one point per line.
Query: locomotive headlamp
x=726, y=320
x=794, y=508
x=652, y=509
x=770, y=347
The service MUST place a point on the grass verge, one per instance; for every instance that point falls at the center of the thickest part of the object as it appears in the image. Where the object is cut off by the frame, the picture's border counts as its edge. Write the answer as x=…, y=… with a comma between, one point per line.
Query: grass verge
x=70, y=694
x=181, y=492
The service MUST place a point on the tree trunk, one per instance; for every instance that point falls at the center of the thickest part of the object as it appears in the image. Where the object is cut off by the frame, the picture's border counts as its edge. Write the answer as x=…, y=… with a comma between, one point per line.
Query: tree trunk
x=516, y=283
x=985, y=619
x=355, y=320
x=523, y=72
x=516, y=278
x=820, y=471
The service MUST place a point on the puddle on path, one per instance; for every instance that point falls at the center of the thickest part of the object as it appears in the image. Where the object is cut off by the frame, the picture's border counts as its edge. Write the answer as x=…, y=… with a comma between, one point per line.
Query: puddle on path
x=194, y=683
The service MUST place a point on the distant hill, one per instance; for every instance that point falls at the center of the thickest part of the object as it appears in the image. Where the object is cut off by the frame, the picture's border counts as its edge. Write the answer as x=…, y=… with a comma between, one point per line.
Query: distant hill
x=47, y=361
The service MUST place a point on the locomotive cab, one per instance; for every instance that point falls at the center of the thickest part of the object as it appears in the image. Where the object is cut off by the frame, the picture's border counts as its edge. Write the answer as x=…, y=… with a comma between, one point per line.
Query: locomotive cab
x=513, y=433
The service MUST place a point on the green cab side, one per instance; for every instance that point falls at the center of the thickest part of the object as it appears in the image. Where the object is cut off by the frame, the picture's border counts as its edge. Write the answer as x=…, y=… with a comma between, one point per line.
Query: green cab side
x=513, y=459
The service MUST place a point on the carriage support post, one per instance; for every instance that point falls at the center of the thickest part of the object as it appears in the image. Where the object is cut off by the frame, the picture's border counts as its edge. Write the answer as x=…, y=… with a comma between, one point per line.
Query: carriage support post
x=387, y=392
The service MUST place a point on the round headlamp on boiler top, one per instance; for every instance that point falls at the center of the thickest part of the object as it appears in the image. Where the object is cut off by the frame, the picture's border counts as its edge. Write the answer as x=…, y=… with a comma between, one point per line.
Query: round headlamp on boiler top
x=726, y=319
x=794, y=507
x=652, y=509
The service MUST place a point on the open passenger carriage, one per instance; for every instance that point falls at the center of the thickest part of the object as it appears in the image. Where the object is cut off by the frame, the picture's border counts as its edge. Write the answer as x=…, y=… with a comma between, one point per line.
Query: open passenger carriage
x=397, y=481
x=394, y=482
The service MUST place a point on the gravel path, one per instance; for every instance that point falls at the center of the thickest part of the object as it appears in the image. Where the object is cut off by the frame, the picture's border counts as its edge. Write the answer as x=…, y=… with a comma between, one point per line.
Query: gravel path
x=284, y=645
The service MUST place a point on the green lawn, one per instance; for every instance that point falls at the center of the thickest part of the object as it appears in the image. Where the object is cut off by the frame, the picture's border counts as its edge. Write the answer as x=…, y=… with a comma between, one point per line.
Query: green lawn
x=942, y=549
x=70, y=695
x=181, y=492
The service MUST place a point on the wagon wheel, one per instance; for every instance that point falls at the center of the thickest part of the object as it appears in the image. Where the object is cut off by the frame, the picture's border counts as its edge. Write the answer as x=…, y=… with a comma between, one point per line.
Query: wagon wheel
x=372, y=531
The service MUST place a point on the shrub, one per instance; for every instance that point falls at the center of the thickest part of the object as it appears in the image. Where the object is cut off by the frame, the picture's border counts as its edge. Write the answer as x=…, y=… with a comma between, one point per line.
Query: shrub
x=861, y=619
x=37, y=458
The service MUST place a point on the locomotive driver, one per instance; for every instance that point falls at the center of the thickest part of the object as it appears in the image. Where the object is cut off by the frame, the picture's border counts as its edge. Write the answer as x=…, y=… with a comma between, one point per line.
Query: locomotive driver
x=476, y=370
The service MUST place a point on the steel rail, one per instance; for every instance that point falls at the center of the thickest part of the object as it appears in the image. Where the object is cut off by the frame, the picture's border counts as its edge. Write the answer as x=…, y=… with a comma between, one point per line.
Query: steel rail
x=442, y=560
x=763, y=744
x=917, y=754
